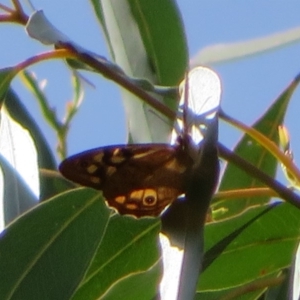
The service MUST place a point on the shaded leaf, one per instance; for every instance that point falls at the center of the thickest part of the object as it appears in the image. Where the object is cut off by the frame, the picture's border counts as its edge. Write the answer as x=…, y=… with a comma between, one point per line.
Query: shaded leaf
x=144, y=284
x=130, y=246
x=160, y=36
x=269, y=244
x=250, y=291
x=6, y=76
x=51, y=246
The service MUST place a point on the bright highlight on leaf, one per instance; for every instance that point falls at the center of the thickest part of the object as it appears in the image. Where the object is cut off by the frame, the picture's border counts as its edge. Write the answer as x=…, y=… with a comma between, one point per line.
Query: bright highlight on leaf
x=284, y=141
x=204, y=95
x=16, y=144
x=284, y=138
x=196, y=118
x=18, y=161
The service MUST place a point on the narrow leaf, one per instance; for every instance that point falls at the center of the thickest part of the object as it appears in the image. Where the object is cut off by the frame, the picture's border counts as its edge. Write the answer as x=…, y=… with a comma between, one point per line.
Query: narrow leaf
x=6, y=76
x=238, y=50
x=49, y=186
x=253, y=152
x=16, y=196
x=131, y=29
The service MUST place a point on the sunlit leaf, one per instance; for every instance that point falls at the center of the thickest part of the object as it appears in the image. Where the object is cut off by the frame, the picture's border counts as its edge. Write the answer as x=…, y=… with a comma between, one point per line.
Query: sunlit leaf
x=20, y=188
x=16, y=195
x=139, y=39
x=45, y=158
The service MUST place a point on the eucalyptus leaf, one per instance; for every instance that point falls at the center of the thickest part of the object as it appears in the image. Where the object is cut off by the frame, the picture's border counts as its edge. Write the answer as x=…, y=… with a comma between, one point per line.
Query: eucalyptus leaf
x=45, y=158
x=52, y=246
x=227, y=52
x=6, y=76
x=268, y=243
x=16, y=195
x=136, y=38
x=20, y=182
x=114, y=265
x=253, y=152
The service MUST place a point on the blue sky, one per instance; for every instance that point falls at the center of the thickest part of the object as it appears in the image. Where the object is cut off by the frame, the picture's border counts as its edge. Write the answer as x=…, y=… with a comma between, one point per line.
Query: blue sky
x=249, y=85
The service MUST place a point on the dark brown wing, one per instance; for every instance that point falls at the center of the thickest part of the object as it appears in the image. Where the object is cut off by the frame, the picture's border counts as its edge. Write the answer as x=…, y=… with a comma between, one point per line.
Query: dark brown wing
x=135, y=179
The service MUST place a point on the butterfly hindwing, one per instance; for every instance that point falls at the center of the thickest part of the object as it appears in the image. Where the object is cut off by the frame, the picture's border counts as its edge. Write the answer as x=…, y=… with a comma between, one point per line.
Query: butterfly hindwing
x=135, y=179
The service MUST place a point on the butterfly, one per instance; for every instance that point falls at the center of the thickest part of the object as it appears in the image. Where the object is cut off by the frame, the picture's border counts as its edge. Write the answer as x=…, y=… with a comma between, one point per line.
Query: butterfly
x=143, y=179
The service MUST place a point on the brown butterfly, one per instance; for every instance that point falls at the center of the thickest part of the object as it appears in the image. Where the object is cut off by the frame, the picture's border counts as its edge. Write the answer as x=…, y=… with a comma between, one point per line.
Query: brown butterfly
x=138, y=179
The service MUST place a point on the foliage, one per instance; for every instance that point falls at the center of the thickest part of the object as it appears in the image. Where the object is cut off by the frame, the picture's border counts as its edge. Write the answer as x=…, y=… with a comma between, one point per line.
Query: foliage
x=70, y=245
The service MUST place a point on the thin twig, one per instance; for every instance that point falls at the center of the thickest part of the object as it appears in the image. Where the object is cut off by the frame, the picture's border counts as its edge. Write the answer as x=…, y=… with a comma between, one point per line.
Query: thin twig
x=122, y=80
x=254, y=286
x=6, y=8
x=16, y=15
x=266, y=143
x=18, y=6
x=246, y=192
x=279, y=188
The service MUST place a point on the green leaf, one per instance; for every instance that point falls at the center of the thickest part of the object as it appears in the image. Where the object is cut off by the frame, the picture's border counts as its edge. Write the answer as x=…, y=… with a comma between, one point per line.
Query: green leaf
x=6, y=76
x=70, y=244
x=52, y=246
x=235, y=178
x=160, y=36
x=144, y=284
x=249, y=291
x=48, y=112
x=129, y=247
x=139, y=40
x=264, y=247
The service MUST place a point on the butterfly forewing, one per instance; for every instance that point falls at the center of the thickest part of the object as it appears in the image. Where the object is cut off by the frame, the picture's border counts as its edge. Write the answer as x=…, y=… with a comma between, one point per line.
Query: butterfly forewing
x=135, y=179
